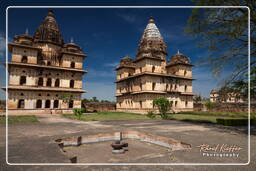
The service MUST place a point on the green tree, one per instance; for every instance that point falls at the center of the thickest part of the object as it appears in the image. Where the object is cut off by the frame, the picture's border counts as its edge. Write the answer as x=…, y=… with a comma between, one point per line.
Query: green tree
x=78, y=112
x=197, y=98
x=224, y=32
x=94, y=99
x=163, y=106
x=209, y=105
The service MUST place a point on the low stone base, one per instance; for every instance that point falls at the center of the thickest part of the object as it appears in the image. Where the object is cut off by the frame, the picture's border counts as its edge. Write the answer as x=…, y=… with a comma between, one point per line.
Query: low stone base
x=39, y=111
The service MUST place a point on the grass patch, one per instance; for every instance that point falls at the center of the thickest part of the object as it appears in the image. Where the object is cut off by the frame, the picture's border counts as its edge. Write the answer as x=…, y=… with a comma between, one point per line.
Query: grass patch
x=102, y=116
x=19, y=119
x=222, y=114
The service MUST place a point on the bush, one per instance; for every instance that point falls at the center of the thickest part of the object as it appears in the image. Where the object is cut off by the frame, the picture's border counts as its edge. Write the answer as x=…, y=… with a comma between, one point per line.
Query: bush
x=151, y=115
x=209, y=105
x=163, y=106
x=78, y=112
x=235, y=122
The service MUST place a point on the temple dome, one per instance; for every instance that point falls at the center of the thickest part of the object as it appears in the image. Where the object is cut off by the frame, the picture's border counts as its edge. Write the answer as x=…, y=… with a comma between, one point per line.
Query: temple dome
x=151, y=30
x=179, y=58
x=48, y=31
x=151, y=44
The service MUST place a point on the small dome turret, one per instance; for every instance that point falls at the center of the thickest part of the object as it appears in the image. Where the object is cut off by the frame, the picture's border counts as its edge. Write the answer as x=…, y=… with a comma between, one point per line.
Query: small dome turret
x=25, y=38
x=72, y=47
x=179, y=58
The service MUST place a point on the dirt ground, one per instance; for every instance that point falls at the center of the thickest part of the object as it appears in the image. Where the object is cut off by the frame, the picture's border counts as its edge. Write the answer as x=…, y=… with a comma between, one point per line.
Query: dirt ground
x=35, y=143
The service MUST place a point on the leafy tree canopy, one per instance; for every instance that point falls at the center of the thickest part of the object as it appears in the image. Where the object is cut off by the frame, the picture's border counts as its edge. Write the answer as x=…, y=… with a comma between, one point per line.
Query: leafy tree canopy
x=224, y=32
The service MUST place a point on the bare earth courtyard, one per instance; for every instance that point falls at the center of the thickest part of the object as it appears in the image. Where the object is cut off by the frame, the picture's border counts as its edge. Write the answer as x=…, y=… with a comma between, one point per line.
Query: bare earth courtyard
x=35, y=143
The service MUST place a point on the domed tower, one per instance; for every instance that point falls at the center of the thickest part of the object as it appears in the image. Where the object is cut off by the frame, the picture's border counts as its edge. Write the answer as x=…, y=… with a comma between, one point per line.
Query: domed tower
x=152, y=50
x=179, y=65
x=49, y=39
x=32, y=85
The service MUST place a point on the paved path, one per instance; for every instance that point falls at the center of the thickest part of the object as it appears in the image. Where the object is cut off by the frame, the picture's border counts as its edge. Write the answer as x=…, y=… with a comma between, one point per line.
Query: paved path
x=34, y=142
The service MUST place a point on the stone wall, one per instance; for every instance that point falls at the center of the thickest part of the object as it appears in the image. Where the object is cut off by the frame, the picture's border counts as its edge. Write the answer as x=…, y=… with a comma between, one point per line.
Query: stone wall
x=227, y=107
x=99, y=106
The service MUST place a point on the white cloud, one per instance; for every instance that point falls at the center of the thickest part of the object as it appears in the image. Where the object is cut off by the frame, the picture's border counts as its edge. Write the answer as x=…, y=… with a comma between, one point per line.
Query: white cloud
x=130, y=18
x=113, y=64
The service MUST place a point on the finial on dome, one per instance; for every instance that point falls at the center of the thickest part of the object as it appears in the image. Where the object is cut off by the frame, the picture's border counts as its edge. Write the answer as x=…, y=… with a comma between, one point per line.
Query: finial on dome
x=50, y=12
x=71, y=40
x=151, y=20
x=178, y=51
x=26, y=32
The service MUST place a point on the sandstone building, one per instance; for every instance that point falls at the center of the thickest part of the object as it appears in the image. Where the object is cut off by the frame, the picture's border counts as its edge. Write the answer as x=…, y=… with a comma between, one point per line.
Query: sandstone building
x=45, y=73
x=228, y=98
x=150, y=76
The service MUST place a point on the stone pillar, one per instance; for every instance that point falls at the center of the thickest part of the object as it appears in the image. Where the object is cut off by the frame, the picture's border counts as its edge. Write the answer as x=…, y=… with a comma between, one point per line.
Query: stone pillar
x=43, y=103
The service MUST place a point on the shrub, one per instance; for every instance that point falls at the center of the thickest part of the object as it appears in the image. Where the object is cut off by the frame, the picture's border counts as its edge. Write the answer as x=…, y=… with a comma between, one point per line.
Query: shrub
x=209, y=105
x=163, y=106
x=78, y=112
x=151, y=115
x=234, y=122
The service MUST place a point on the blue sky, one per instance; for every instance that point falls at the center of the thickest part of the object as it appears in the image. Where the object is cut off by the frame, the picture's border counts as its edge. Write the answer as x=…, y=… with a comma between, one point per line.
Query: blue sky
x=106, y=35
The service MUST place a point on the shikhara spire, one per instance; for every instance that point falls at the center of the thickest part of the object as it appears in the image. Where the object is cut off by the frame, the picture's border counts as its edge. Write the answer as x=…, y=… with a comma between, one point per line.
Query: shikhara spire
x=151, y=30
x=48, y=31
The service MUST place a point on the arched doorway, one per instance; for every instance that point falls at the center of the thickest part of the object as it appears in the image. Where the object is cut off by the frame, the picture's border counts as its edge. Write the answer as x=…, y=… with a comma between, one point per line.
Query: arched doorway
x=47, y=104
x=71, y=84
x=153, y=69
x=56, y=104
x=24, y=59
x=57, y=82
x=39, y=104
x=21, y=104
x=23, y=80
x=49, y=82
x=40, y=81
x=70, y=104
x=72, y=65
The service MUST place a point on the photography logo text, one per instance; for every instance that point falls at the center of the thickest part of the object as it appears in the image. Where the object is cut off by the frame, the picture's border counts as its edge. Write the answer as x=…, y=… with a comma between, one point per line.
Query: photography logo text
x=219, y=150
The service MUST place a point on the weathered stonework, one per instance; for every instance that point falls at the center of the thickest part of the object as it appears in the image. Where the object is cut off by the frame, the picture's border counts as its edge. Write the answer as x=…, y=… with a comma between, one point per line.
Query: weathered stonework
x=45, y=73
x=150, y=76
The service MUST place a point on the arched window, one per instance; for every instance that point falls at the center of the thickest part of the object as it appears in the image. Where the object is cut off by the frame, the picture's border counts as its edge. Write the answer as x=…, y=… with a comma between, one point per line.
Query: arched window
x=48, y=63
x=185, y=88
x=71, y=84
x=185, y=72
x=39, y=104
x=186, y=103
x=21, y=104
x=40, y=81
x=72, y=64
x=56, y=104
x=49, y=82
x=23, y=80
x=57, y=82
x=24, y=59
x=70, y=104
x=47, y=104
x=140, y=86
